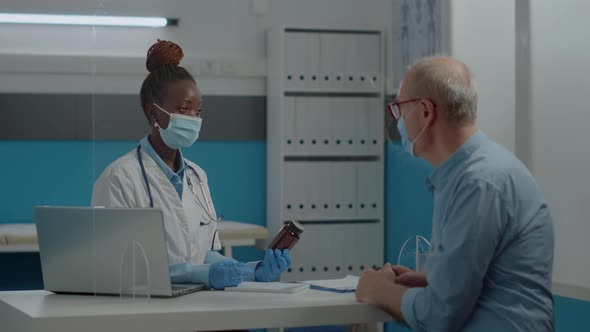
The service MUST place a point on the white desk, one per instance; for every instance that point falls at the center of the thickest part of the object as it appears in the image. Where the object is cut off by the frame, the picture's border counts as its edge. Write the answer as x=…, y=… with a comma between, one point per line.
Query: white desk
x=15, y=248
x=18, y=238
x=23, y=237
x=232, y=233
x=33, y=311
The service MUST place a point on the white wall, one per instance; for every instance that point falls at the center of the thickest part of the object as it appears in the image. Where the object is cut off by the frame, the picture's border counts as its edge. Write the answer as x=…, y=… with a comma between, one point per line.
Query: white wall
x=481, y=34
x=523, y=82
x=534, y=55
x=209, y=29
x=560, y=118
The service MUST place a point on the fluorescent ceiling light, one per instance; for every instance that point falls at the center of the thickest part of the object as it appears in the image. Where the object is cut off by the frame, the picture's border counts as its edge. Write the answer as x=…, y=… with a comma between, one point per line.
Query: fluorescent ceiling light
x=122, y=21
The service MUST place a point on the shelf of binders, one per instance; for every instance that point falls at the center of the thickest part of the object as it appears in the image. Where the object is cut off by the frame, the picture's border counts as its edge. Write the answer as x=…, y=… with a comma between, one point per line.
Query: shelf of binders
x=318, y=155
x=355, y=247
x=332, y=190
x=332, y=126
x=325, y=152
x=332, y=61
x=335, y=91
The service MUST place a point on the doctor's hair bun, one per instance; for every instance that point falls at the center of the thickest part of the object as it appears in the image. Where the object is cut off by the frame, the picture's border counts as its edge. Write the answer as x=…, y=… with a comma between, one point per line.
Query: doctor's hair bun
x=163, y=53
x=163, y=60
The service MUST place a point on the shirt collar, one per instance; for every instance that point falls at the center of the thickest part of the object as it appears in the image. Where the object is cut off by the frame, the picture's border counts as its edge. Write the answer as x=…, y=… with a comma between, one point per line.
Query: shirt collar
x=446, y=170
x=147, y=147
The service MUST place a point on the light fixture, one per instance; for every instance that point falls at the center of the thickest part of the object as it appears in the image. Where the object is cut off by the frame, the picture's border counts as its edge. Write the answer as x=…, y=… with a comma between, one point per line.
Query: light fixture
x=121, y=21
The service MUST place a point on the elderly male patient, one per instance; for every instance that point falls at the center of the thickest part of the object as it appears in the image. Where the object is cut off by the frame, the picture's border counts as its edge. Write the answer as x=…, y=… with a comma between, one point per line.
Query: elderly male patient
x=491, y=259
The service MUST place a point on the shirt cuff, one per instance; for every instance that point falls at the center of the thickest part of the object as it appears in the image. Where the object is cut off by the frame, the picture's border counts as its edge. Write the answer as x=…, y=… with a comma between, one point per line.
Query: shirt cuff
x=214, y=257
x=185, y=273
x=252, y=275
x=200, y=274
x=408, y=308
x=180, y=273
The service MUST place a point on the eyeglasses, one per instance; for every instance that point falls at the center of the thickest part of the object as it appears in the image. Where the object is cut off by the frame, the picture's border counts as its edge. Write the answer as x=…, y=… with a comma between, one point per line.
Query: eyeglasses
x=395, y=110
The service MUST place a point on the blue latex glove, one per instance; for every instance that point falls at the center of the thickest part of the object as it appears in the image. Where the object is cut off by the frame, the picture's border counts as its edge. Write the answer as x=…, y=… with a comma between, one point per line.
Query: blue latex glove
x=227, y=273
x=274, y=263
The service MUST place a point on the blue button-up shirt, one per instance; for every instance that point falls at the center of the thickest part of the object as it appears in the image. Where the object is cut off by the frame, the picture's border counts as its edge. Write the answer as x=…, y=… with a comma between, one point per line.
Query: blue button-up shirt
x=492, y=247
x=175, y=178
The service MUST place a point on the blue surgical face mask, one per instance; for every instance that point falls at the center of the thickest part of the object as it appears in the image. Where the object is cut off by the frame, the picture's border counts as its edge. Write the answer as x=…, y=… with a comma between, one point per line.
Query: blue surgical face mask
x=407, y=144
x=182, y=131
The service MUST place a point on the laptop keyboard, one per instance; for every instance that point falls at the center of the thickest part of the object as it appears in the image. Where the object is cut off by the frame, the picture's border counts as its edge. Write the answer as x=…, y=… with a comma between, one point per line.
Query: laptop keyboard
x=181, y=289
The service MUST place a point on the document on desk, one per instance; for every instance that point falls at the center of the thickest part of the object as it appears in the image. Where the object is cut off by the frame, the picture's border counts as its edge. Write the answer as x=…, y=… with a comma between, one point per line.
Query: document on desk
x=268, y=287
x=343, y=285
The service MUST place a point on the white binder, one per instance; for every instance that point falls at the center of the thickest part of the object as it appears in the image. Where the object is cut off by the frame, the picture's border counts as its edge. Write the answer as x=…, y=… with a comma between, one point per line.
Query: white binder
x=323, y=182
x=328, y=61
x=301, y=124
x=366, y=241
x=344, y=189
x=341, y=60
x=344, y=118
x=376, y=126
x=295, y=59
x=370, y=184
x=290, y=191
x=352, y=62
x=322, y=118
x=311, y=199
x=369, y=62
x=289, y=124
x=312, y=60
x=315, y=121
x=363, y=113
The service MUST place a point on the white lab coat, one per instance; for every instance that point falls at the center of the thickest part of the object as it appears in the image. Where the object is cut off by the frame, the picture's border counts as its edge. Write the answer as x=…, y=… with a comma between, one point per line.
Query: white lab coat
x=122, y=185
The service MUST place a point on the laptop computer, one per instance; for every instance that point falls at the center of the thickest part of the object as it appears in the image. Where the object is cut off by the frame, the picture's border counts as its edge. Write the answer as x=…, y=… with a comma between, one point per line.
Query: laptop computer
x=106, y=251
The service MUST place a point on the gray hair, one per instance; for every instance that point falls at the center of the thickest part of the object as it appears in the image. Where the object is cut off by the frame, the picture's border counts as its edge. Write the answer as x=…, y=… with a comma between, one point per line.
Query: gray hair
x=448, y=83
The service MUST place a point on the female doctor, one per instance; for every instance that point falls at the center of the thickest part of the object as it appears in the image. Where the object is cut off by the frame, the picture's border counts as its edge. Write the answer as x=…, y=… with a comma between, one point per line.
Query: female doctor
x=155, y=174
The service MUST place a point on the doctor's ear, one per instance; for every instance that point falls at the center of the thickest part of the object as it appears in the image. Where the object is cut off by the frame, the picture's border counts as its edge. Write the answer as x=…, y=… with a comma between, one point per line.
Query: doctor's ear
x=153, y=120
x=151, y=115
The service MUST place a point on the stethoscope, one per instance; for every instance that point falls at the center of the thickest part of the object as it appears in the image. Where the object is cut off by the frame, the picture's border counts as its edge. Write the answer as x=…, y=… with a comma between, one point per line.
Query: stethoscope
x=206, y=207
